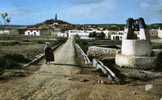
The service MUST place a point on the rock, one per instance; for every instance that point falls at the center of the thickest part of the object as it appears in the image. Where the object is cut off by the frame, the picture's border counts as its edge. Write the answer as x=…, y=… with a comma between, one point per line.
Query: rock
x=104, y=82
x=148, y=87
x=134, y=92
x=100, y=82
x=70, y=78
x=84, y=80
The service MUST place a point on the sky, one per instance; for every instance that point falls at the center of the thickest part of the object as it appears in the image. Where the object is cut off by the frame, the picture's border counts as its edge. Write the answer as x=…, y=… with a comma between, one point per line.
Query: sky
x=28, y=12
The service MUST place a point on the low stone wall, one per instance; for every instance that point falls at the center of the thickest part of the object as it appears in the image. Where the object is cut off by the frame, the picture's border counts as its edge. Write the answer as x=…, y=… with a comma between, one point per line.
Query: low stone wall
x=40, y=56
x=81, y=55
x=137, y=62
x=102, y=52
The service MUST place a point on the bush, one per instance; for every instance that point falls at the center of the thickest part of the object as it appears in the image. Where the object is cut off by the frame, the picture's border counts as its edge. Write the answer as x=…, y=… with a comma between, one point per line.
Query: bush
x=82, y=43
x=11, y=64
x=12, y=61
x=7, y=64
x=93, y=34
x=97, y=35
x=100, y=36
x=9, y=43
x=159, y=61
x=2, y=63
x=17, y=58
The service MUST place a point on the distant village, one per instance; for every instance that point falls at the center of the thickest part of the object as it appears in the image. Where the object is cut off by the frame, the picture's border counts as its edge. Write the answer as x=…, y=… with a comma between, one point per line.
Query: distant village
x=60, y=28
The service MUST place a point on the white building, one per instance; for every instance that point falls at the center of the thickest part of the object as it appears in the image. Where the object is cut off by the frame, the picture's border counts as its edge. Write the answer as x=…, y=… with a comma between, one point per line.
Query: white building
x=40, y=32
x=83, y=34
x=153, y=33
x=160, y=33
x=62, y=34
x=117, y=35
x=5, y=31
x=32, y=32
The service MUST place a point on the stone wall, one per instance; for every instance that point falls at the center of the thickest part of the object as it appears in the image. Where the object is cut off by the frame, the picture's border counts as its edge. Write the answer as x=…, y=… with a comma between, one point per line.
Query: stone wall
x=136, y=62
x=101, y=52
x=84, y=60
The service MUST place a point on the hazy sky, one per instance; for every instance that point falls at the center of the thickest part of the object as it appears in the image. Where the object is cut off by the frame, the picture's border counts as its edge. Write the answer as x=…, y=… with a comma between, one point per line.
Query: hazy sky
x=82, y=11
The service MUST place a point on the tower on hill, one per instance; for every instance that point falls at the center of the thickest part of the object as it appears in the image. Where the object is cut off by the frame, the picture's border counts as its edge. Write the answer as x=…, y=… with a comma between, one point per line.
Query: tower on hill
x=56, y=17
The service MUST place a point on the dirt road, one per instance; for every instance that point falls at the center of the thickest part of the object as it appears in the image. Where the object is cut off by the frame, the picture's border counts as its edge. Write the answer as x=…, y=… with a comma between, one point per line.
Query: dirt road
x=49, y=82
x=67, y=81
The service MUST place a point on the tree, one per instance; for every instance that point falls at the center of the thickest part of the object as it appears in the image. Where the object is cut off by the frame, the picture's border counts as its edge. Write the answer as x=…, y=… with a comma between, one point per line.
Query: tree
x=93, y=34
x=97, y=35
x=5, y=18
x=100, y=35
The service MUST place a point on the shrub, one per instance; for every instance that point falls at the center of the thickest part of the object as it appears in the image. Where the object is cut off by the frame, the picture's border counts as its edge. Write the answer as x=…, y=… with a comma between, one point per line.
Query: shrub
x=93, y=34
x=159, y=61
x=11, y=64
x=100, y=35
x=82, y=43
x=9, y=43
x=17, y=58
x=12, y=61
x=2, y=64
x=7, y=64
x=97, y=35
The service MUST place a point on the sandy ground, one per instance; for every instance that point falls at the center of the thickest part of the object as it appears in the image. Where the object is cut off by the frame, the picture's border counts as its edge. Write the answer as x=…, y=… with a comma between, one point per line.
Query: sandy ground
x=65, y=80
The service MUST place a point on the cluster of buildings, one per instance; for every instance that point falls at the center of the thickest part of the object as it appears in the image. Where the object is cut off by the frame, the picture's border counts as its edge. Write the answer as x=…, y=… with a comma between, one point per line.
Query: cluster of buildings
x=55, y=27
x=109, y=34
x=12, y=30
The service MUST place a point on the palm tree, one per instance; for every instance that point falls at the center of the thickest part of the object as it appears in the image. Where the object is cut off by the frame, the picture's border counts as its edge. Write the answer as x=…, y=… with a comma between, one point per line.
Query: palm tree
x=5, y=18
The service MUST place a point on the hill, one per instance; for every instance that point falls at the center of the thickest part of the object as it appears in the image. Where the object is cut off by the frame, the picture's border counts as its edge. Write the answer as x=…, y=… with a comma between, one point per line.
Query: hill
x=51, y=23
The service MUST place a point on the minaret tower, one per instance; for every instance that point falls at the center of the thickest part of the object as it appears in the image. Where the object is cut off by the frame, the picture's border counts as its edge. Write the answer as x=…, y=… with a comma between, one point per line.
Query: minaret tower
x=56, y=17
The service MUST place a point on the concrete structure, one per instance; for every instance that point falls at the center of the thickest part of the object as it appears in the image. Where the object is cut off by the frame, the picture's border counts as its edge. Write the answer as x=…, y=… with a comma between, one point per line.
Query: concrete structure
x=136, y=51
x=153, y=33
x=83, y=34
